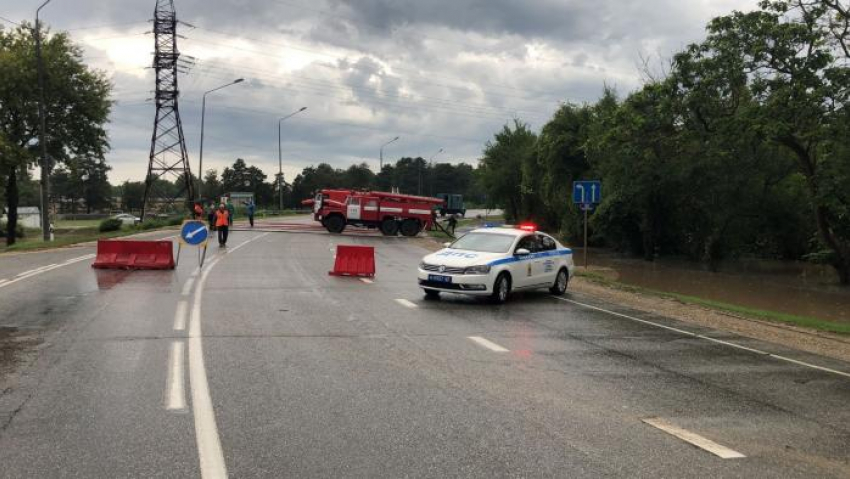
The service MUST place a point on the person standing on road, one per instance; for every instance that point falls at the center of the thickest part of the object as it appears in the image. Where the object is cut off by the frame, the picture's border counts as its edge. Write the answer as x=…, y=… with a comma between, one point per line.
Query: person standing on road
x=199, y=211
x=230, y=210
x=251, y=208
x=222, y=219
x=452, y=224
x=211, y=216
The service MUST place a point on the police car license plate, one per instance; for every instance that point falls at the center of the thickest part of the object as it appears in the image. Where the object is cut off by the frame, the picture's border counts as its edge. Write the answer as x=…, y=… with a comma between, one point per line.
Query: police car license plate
x=439, y=279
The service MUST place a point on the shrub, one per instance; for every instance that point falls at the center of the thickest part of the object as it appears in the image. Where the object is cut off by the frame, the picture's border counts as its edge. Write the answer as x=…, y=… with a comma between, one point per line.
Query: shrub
x=152, y=224
x=175, y=220
x=110, y=224
x=19, y=230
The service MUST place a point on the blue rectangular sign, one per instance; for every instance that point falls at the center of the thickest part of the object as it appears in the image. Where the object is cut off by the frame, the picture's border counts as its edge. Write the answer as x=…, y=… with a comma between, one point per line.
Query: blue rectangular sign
x=587, y=192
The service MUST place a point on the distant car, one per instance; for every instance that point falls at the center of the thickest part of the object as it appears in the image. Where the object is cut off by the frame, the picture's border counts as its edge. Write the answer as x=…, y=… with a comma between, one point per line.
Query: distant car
x=495, y=261
x=128, y=219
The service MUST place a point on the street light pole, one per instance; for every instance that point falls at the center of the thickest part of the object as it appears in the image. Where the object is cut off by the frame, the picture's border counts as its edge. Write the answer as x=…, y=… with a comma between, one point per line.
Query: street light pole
x=381, y=164
x=280, y=158
x=431, y=172
x=45, y=167
x=203, y=115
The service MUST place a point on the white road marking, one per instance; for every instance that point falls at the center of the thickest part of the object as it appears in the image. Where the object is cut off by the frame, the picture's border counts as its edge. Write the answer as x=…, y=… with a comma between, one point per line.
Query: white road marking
x=3, y=281
x=176, y=393
x=406, y=303
x=366, y=280
x=36, y=270
x=180, y=316
x=187, y=287
x=488, y=344
x=206, y=432
x=707, y=338
x=718, y=450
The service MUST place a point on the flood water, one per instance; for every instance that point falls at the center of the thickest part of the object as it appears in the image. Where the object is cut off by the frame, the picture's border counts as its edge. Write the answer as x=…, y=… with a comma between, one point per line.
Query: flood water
x=788, y=287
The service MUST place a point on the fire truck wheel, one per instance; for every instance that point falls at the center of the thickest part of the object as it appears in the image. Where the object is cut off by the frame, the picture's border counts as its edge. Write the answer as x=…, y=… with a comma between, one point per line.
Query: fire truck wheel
x=410, y=227
x=335, y=223
x=389, y=227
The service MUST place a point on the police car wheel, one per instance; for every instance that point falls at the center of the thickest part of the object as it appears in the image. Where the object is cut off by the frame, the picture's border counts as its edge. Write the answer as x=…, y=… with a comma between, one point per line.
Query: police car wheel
x=561, y=281
x=501, y=289
x=432, y=294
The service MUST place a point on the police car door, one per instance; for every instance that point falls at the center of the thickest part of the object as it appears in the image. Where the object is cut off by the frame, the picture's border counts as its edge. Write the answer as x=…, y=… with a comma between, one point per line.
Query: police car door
x=549, y=265
x=523, y=270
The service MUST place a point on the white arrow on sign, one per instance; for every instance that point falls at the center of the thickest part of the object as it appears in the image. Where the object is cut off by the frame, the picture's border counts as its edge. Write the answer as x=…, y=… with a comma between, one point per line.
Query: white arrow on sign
x=581, y=187
x=190, y=235
x=593, y=193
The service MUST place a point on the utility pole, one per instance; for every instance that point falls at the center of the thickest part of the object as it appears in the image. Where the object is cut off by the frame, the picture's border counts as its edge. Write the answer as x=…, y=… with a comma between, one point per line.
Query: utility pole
x=42, y=142
x=280, y=158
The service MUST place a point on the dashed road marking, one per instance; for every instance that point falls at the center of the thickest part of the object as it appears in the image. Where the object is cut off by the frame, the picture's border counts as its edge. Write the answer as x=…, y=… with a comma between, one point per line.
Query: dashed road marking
x=36, y=270
x=187, y=287
x=43, y=269
x=175, y=390
x=366, y=280
x=695, y=439
x=406, y=303
x=708, y=338
x=180, y=316
x=488, y=344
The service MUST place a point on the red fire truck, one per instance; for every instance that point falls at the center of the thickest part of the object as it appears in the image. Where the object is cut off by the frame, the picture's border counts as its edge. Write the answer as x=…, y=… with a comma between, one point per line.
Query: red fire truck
x=390, y=212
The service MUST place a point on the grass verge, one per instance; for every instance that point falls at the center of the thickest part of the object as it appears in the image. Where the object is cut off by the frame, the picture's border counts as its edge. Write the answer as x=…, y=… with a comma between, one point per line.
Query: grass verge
x=67, y=238
x=803, y=321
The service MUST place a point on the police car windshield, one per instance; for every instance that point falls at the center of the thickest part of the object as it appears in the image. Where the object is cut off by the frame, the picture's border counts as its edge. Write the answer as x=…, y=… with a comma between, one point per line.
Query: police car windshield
x=484, y=242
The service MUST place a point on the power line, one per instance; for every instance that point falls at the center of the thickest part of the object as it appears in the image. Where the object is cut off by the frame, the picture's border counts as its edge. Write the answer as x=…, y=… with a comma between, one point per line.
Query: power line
x=10, y=21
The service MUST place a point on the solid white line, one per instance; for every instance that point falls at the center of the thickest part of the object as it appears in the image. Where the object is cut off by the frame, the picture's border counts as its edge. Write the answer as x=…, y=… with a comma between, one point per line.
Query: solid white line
x=366, y=280
x=722, y=452
x=175, y=390
x=187, y=287
x=206, y=432
x=3, y=281
x=79, y=258
x=713, y=340
x=36, y=270
x=180, y=316
x=406, y=303
x=488, y=344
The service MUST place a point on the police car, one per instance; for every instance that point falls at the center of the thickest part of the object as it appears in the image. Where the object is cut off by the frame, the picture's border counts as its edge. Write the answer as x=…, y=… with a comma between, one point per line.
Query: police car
x=495, y=261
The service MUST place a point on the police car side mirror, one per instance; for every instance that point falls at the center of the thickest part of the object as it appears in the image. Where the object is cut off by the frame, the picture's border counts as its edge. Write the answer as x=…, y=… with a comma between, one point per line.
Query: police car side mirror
x=522, y=252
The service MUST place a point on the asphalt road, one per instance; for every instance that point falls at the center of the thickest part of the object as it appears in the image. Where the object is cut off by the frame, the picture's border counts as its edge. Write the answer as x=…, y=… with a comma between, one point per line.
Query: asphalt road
x=263, y=365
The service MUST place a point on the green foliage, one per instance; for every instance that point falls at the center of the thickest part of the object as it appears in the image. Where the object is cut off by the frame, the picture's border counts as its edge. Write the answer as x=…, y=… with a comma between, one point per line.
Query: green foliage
x=110, y=224
x=19, y=230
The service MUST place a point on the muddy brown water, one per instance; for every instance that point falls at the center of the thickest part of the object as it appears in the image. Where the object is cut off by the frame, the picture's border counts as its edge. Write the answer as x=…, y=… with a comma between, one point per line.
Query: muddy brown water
x=783, y=286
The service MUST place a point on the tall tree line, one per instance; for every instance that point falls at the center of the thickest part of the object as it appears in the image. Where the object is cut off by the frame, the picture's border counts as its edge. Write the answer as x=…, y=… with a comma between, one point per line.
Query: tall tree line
x=742, y=149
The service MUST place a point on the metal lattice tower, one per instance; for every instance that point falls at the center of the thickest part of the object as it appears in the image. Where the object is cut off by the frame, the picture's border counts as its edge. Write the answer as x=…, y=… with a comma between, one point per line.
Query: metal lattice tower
x=168, y=157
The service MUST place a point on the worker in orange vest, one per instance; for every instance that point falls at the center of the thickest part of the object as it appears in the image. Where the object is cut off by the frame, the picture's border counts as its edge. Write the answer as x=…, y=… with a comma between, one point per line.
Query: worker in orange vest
x=222, y=221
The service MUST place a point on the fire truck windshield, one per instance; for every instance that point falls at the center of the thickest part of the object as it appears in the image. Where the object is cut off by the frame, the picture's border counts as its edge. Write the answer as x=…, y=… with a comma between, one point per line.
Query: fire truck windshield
x=484, y=242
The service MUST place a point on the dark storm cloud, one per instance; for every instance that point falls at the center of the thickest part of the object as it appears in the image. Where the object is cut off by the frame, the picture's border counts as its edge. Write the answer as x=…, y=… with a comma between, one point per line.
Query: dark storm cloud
x=438, y=73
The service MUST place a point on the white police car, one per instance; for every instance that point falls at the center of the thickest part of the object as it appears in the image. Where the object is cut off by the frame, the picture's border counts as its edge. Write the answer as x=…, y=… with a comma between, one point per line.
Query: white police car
x=495, y=261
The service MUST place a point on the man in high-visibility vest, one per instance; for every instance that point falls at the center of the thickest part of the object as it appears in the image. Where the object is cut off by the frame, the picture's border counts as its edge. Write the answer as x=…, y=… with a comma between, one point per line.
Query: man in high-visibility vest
x=222, y=221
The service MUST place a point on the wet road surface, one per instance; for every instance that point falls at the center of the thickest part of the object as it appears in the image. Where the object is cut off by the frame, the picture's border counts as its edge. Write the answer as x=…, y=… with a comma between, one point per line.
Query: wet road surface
x=262, y=365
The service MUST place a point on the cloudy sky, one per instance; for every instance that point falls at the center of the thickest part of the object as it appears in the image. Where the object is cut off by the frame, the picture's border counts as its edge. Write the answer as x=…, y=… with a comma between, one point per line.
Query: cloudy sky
x=437, y=73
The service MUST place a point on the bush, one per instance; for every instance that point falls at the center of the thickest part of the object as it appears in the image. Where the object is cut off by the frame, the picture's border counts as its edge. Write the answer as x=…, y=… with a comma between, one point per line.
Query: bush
x=153, y=224
x=175, y=220
x=111, y=224
x=19, y=230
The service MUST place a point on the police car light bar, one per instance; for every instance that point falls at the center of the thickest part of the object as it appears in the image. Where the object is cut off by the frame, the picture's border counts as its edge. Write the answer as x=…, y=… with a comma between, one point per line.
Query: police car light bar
x=528, y=227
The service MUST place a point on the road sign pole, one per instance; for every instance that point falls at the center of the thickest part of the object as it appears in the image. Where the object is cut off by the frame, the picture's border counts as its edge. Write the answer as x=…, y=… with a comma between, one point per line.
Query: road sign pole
x=585, y=238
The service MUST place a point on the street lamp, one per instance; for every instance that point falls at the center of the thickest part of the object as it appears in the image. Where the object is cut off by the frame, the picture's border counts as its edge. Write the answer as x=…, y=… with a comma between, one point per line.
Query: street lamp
x=280, y=156
x=45, y=167
x=381, y=167
x=431, y=172
x=203, y=115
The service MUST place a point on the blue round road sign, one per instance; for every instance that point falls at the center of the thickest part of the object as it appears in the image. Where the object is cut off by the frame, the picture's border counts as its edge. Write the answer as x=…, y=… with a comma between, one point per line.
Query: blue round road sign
x=194, y=233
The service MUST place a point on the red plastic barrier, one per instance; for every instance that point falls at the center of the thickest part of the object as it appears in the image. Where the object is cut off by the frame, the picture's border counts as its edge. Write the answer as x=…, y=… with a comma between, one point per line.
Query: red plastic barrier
x=354, y=261
x=113, y=254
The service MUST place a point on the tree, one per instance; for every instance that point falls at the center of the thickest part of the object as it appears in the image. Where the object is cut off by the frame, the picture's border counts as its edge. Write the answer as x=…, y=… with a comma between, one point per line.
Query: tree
x=501, y=168
x=76, y=107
